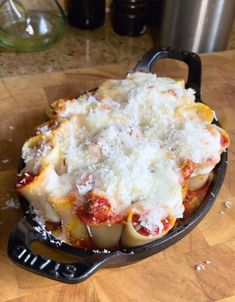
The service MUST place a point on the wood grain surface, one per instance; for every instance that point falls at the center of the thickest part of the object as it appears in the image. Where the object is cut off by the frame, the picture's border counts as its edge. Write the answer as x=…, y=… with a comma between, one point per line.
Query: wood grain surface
x=166, y=276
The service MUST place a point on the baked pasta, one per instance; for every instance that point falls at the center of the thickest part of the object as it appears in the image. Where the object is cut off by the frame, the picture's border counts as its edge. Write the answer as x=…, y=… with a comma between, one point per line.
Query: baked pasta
x=120, y=166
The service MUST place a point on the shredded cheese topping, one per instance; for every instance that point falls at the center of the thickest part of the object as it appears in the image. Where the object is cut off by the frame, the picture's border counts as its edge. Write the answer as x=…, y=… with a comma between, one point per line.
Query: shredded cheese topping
x=124, y=140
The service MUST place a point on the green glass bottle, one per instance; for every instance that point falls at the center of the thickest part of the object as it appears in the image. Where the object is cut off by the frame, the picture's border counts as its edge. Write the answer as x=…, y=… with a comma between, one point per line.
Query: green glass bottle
x=30, y=25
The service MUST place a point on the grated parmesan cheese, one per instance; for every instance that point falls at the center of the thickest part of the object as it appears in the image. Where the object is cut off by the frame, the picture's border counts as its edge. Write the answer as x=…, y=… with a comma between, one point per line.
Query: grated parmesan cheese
x=125, y=141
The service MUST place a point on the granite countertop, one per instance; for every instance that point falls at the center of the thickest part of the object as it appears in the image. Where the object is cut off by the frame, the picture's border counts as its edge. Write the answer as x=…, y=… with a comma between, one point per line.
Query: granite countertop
x=81, y=48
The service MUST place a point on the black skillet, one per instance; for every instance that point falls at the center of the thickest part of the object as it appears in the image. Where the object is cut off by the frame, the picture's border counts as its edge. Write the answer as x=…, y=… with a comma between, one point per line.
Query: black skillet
x=29, y=230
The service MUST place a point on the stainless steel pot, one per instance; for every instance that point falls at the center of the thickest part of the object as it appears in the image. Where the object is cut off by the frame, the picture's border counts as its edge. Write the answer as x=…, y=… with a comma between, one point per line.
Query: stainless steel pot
x=196, y=25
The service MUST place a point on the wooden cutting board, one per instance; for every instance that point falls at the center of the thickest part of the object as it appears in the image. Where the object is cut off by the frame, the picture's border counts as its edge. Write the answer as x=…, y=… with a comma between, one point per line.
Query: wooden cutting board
x=167, y=276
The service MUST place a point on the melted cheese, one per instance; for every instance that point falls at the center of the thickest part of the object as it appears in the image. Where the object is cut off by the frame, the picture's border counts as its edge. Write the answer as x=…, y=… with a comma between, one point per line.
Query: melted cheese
x=125, y=141
x=153, y=218
x=192, y=140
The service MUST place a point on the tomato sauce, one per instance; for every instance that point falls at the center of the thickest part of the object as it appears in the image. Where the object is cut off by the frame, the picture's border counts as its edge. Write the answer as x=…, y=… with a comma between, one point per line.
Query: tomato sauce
x=194, y=198
x=171, y=92
x=51, y=125
x=97, y=211
x=53, y=226
x=88, y=244
x=224, y=141
x=23, y=179
x=136, y=221
x=187, y=168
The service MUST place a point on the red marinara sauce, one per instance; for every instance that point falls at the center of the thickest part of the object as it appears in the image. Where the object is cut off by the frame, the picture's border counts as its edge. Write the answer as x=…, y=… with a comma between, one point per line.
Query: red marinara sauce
x=194, y=198
x=53, y=226
x=146, y=232
x=23, y=179
x=224, y=141
x=187, y=168
x=97, y=210
x=51, y=125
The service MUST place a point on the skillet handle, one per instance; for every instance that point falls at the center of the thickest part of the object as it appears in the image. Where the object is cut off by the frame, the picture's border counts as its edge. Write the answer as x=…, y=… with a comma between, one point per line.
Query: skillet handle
x=20, y=252
x=191, y=59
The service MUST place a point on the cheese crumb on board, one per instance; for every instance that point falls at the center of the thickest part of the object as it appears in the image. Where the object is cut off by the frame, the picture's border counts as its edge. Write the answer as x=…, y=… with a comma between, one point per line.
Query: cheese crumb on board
x=199, y=267
x=5, y=161
x=228, y=204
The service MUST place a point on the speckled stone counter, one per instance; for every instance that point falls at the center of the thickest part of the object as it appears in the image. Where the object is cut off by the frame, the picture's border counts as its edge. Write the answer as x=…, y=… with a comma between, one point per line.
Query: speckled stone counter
x=82, y=48
x=79, y=48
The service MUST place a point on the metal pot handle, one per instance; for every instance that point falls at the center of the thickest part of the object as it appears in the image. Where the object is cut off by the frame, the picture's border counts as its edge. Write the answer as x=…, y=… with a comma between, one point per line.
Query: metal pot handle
x=20, y=252
x=191, y=59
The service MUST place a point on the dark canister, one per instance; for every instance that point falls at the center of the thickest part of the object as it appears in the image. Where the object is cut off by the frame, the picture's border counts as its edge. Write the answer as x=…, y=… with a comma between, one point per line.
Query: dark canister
x=129, y=17
x=86, y=14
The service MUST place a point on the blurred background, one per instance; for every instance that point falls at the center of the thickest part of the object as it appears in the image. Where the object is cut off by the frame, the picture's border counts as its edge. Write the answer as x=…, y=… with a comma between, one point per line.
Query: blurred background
x=199, y=26
x=84, y=33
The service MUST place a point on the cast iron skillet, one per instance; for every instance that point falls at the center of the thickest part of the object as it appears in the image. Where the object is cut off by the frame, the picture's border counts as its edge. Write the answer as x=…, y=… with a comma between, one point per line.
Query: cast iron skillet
x=29, y=230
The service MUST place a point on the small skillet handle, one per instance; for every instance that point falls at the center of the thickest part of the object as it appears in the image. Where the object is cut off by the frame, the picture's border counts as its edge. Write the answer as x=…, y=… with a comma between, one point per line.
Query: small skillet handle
x=19, y=251
x=191, y=59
